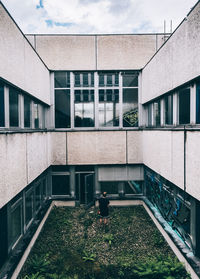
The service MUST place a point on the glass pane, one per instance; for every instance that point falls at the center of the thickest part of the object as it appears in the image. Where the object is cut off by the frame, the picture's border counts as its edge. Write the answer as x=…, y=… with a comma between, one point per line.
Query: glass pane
x=2, y=112
x=156, y=113
x=60, y=185
x=29, y=207
x=130, y=80
x=184, y=106
x=169, y=110
x=149, y=114
x=27, y=112
x=77, y=80
x=198, y=104
x=62, y=79
x=13, y=108
x=84, y=108
x=101, y=80
x=109, y=80
x=62, y=109
x=36, y=115
x=130, y=107
x=85, y=79
x=37, y=196
x=133, y=187
x=44, y=190
x=16, y=223
x=109, y=187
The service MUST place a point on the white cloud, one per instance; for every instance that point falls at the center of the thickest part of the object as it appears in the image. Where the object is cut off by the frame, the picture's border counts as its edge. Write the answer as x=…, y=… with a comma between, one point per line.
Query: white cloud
x=97, y=16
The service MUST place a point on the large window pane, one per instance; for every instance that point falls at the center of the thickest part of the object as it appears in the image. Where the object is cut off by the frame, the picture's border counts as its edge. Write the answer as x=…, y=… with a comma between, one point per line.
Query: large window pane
x=84, y=108
x=109, y=108
x=133, y=187
x=2, y=112
x=168, y=101
x=29, y=207
x=84, y=79
x=13, y=108
x=37, y=196
x=149, y=110
x=62, y=108
x=108, y=79
x=109, y=187
x=184, y=106
x=156, y=113
x=27, y=112
x=130, y=107
x=62, y=79
x=16, y=223
x=130, y=80
x=198, y=103
x=36, y=115
x=60, y=185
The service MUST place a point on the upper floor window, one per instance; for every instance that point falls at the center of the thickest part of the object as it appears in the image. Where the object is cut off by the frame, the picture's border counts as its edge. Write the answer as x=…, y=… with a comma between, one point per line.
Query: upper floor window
x=130, y=107
x=168, y=108
x=83, y=79
x=27, y=112
x=62, y=108
x=156, y=113
x=62, y=79
x=13, y=107
x=108, y=79
x=130, y=79
x=198, y=103
x=184, y=106
x=2, y=110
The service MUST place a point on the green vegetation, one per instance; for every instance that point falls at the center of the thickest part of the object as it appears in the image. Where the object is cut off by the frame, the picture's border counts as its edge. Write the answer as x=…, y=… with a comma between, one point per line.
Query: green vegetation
x=73, y=245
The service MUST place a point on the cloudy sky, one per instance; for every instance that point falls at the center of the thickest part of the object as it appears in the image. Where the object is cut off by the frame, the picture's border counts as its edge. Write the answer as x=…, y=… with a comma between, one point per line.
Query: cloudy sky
x=97, y=16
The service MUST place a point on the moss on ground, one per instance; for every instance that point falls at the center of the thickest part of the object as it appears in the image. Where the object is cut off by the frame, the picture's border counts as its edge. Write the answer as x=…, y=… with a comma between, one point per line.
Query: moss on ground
x=73, y=245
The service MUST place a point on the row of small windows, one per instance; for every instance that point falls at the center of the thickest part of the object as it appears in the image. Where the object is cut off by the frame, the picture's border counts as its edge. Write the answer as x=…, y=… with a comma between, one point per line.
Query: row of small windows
x=79, y=107
x=175, y=108
x=18, y=110
x=86, y=79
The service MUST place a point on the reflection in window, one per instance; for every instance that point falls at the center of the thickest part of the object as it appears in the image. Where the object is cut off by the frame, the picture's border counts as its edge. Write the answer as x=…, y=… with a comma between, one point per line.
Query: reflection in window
x=60, y=185
x=13, y=108
x=198, y=103
x=84, y=108
x=84, y=79
x=149, y=108
x=27, y=112
x=62, y=79
x=29, y=207
x=62, y=108
x=168, y=101
x=130, y=107
x=109, y=187
x=133, y=187
x=108, y=79
x=130, y=80
x=109, y=108
x=37, y=196
x=2, y=112
x=156, y=113
x=16, y=223
x=184, y=106
x=36, y=115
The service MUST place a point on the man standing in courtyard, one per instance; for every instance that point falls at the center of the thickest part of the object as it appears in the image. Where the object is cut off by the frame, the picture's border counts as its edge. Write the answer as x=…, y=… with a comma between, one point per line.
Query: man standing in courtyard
x=103, y=208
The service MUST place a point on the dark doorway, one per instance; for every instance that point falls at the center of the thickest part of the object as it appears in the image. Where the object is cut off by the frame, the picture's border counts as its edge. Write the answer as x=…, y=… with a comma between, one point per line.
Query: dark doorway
x=85, y=188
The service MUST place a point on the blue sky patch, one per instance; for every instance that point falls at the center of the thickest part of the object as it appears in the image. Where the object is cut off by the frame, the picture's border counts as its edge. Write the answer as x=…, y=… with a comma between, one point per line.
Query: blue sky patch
x=40, y=5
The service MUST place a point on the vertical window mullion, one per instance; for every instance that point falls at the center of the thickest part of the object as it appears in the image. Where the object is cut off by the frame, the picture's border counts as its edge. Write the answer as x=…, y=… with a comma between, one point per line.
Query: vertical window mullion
x=120, y=102
x=72, y=76
x=6, y=106
x=193, y=104
x=21, y=110
x=96, y=100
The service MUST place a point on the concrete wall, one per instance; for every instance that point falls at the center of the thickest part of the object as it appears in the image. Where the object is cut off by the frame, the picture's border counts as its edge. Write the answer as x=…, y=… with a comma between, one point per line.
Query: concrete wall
x=20, y=64
x=96, y=52
x=103, y=147
x=163, y=152
x=176, y=62
x=23, y=157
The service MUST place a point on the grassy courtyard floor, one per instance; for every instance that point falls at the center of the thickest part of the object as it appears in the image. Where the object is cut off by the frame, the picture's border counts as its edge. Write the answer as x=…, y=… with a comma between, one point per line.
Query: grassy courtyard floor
x=73, y=245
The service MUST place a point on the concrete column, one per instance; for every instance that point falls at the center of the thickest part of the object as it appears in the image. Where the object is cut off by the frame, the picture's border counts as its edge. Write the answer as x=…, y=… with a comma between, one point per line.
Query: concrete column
x=50, y=112
x=72, y=181
x=162, y=113
x=175, y=109
x=193, y=104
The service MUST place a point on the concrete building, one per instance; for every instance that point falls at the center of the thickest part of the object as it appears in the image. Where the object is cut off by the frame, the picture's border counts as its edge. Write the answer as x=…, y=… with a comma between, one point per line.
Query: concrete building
x=82, y=114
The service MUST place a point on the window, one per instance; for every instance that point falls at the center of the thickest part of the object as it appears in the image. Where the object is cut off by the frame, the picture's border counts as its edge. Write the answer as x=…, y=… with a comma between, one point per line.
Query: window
x=2, y=112
x=84, y=79
x=130, y=107
x=149, y=111
x=27, y=112
x=109, y=107
x=198, y=103
x=184, y=106
x=36, y=115
x=62, y=109
x=130, y=80
x=168, y=104
x=29, y=201
x=108, y=79
x=13, y=108
x=109, y=187
x=62, y=79
x=156, y=113
x=60, y=185
x=37, y=196
x=84, y=108
x=16, y=221
x=133, y=187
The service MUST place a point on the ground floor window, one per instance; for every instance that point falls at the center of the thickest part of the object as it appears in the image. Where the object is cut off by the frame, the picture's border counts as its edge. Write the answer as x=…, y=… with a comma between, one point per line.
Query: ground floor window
x=2, y=112
x=16, y=221
x=60, y=185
